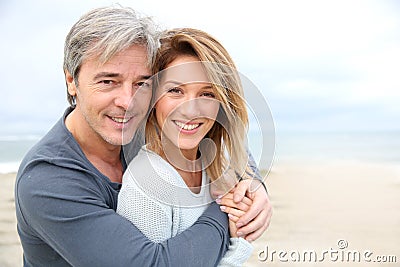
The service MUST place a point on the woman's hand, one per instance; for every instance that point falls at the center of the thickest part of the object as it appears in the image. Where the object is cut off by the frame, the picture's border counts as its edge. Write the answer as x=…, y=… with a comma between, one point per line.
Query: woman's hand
x=236, y=210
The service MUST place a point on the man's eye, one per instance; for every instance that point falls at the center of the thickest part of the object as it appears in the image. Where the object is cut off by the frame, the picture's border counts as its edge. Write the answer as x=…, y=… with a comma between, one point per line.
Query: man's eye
x=107, y=82
x=143, y=84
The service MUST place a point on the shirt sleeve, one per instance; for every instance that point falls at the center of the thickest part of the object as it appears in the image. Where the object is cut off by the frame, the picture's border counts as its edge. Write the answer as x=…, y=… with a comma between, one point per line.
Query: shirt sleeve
x=238, y=253
x=253, y=166
x=69, y=212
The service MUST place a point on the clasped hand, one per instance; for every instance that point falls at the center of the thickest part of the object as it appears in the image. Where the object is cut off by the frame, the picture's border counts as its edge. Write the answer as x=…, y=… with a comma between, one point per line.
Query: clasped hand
x=248, y=208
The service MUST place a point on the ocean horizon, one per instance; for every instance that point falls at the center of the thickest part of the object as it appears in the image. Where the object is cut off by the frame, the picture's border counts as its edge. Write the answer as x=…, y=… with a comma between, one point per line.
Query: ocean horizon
x=362, y=146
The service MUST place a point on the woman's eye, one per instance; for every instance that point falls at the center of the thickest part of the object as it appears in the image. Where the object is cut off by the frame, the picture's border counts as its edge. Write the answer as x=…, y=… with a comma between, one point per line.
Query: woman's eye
x=174, y=90
x=209, y=94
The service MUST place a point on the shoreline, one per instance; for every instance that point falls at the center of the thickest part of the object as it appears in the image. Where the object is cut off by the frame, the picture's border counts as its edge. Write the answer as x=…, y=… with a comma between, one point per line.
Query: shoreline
x=316, y=203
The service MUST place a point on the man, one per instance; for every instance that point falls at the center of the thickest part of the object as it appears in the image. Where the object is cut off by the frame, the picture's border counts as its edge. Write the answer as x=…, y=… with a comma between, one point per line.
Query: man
x=68, y=184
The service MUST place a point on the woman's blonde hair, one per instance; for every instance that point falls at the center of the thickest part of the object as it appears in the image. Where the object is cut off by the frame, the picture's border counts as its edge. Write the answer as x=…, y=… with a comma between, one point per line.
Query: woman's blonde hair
x=221, y=71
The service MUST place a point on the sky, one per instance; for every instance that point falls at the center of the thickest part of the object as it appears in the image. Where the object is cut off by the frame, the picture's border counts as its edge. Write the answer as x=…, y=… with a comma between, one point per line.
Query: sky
x=320, y=65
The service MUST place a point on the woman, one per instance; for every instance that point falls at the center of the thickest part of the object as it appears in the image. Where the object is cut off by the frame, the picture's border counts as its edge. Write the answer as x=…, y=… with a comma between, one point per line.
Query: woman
x=195, y=137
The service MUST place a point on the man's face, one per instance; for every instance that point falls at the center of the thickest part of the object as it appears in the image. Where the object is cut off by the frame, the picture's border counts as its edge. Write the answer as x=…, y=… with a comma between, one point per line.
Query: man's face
x=112, y=98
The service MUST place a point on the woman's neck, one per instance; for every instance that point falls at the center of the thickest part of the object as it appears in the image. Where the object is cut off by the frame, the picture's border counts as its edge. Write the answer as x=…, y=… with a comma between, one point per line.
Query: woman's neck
x=187, y=164
x=192, y=180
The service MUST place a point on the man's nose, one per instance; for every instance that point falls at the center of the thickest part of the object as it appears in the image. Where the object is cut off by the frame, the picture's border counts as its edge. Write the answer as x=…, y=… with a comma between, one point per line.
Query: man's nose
x=125, y=95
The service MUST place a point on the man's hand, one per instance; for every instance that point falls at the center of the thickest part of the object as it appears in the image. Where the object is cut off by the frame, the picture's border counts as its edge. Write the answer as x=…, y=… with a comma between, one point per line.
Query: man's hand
x=252, y=224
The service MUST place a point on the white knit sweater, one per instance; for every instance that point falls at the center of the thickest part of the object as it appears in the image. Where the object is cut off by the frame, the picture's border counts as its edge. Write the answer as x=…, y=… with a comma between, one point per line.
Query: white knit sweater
x=157, y=201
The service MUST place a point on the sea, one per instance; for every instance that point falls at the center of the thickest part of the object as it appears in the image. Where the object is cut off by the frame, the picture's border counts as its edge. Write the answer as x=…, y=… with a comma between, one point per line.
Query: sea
x=13, y=148
x=361, y=146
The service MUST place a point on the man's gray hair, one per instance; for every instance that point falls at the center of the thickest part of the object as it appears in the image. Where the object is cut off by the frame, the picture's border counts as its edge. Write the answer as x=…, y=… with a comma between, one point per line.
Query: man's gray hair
x=104, y=32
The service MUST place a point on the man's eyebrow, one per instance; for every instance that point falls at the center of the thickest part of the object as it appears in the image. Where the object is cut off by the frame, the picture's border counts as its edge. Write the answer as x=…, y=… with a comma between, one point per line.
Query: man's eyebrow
x=106, y=75
x=113, y=75
x=144, y=77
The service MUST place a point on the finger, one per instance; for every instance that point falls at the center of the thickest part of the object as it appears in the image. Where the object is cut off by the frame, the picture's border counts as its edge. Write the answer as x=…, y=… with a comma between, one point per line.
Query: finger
x=233, y=218
x=227, y=195
x=255, y=228
x=233, y=211
x=260, y=203
x=240, y=190
x=252, y=226
x=245, y=199
x=232, y=228
x=251, y=213
x=229, y=203
x=256, y=234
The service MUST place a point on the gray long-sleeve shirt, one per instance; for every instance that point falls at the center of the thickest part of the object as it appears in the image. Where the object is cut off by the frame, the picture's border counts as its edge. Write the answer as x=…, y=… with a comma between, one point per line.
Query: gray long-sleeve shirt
x=66, y=216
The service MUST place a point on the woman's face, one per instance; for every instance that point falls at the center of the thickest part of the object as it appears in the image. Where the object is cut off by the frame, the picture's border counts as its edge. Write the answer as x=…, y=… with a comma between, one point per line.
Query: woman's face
x=187, y=107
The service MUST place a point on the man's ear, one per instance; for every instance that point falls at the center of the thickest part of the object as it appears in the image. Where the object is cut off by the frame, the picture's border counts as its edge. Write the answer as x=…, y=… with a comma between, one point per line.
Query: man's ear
x=71, y=85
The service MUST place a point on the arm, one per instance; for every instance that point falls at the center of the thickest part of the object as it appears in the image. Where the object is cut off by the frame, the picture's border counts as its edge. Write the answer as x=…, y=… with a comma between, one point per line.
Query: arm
x=69, y=212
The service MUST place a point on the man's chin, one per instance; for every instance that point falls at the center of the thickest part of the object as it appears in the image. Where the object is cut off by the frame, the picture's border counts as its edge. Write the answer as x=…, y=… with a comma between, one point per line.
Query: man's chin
x=117, y=140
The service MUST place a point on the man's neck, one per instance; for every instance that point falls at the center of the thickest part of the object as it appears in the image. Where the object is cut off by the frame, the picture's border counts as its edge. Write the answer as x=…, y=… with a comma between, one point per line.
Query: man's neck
x=104, y=156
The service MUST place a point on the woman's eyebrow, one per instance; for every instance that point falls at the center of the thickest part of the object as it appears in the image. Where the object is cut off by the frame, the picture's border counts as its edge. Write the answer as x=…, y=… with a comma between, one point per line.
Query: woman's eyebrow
x=173, y=82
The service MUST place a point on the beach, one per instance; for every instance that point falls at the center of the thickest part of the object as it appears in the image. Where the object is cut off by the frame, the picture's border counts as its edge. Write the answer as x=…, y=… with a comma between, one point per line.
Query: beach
x=344, y=208
x=326, y=213
x=10, y=247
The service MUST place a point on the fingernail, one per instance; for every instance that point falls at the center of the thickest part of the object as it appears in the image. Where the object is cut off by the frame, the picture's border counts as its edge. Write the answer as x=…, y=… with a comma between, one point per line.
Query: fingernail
x=239, y=233
x=219, y=196
x=222, y=208
x=218, y=201
x=249, y=240
x=230, y=216
x=239, y=225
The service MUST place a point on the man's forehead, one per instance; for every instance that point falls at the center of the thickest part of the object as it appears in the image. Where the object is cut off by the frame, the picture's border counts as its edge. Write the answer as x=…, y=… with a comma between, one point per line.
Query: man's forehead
x=135, y=53
x=123, y=67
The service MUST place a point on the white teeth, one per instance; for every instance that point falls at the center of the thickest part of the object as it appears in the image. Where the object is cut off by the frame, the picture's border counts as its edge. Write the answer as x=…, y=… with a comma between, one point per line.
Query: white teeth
x=187, y=127
x=120, y=120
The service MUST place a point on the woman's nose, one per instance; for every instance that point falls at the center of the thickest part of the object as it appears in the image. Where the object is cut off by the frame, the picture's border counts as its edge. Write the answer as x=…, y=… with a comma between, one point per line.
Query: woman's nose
x=190, y=108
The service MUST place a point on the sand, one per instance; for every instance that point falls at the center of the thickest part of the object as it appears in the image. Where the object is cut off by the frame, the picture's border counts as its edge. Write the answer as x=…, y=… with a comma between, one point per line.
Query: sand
x=319, y=208
x=10, y=247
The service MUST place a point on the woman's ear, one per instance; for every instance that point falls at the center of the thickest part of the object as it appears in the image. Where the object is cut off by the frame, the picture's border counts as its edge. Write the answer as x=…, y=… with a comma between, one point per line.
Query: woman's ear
x=71, y=85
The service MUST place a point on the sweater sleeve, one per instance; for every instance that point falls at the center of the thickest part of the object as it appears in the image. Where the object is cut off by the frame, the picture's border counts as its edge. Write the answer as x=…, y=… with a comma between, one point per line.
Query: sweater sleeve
x=238, y=253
